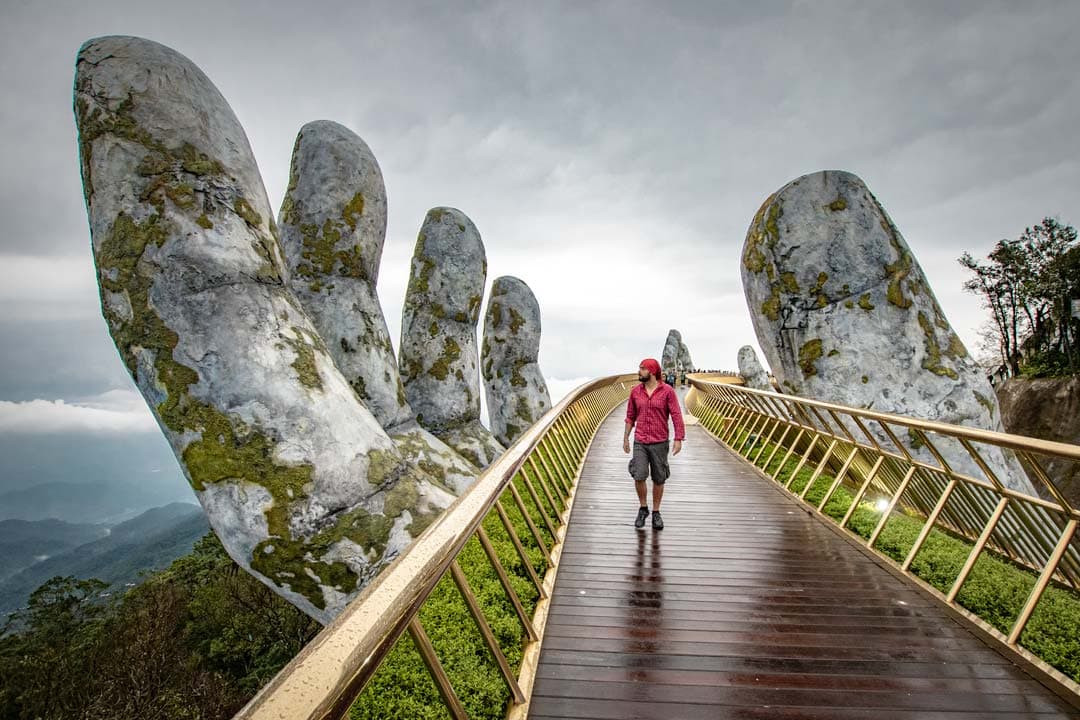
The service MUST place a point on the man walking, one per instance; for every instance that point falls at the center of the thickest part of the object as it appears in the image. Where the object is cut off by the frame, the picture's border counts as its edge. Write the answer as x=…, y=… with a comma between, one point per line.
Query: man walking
x=651, y=403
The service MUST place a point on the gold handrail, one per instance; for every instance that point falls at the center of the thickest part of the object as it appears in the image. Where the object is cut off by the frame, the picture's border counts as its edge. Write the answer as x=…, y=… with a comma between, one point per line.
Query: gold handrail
x=326, y=677
x=839, y=443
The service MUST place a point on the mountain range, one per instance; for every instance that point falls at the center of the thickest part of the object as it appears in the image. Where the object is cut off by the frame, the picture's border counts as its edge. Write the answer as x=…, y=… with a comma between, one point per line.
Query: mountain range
x=87, y=502
x=118, y=555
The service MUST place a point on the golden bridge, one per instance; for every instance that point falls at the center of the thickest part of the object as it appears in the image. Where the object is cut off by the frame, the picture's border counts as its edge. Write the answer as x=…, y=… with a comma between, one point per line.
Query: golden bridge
x=807, y=570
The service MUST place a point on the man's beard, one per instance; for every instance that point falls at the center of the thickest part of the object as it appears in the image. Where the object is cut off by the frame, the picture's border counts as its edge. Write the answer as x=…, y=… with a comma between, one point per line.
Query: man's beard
x=644, y=379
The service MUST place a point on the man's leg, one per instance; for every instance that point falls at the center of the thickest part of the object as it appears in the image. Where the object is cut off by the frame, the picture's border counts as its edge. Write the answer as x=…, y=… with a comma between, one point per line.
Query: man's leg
x=658, y=466
x=639, y=470
x=657, y=495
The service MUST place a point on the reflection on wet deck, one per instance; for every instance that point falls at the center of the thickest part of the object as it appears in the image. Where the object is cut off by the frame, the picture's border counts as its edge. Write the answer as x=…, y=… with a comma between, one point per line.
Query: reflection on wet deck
x=744, y=606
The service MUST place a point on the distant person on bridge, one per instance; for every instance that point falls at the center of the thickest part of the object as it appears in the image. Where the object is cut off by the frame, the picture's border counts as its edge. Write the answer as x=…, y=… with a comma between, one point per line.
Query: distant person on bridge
x=651, y=403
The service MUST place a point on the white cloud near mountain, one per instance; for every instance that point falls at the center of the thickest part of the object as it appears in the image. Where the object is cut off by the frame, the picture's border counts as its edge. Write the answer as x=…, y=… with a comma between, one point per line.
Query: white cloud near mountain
x=112, y=412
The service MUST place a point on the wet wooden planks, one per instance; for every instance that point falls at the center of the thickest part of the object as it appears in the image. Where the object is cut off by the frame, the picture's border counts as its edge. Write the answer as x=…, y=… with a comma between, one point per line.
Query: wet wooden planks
x=745, y=606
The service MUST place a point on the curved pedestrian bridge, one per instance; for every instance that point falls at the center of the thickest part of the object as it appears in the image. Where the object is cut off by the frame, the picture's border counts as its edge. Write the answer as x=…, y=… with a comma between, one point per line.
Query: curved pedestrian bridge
x=746, y=606
x=791, y=580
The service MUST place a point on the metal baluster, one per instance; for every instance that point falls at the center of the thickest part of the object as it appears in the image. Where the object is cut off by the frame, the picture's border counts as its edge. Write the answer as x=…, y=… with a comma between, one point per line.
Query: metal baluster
x=520, y=548
x=529, y=522
x=892, y=504
x=504, y=579
x=485, y=631
x=435, y=668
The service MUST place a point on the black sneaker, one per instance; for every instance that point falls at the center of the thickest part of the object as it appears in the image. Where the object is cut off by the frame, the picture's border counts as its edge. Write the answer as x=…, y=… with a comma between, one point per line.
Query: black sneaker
x=657, y=521
x=641, y=515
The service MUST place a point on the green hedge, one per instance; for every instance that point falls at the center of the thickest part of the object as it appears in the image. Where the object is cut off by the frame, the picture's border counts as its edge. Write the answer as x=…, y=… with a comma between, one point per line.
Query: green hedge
x=402, y=687
x=995, y=590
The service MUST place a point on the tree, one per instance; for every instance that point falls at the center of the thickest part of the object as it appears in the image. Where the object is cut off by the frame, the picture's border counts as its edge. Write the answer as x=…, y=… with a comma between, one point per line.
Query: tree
x=196, y=640
x=1027, y=285
x=40, y=667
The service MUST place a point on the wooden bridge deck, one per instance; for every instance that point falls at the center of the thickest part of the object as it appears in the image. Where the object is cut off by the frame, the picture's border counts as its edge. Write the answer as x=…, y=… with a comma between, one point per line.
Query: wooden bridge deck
x=745, y=606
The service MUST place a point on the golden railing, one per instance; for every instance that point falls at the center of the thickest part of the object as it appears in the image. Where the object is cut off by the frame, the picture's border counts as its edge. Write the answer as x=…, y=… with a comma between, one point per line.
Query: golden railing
x=826, y=455
x=328, y=675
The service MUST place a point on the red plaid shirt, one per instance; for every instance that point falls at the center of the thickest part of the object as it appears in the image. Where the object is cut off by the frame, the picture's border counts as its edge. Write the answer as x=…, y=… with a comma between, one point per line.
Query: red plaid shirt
x=651, y=414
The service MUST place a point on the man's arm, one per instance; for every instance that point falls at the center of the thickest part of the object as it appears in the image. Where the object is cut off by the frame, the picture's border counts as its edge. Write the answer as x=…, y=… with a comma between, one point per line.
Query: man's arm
x=677, y=420
x=631, y=418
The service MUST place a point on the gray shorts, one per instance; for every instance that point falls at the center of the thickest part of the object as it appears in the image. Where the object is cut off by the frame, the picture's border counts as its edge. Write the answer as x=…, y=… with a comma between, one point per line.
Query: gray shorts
x=650, y=459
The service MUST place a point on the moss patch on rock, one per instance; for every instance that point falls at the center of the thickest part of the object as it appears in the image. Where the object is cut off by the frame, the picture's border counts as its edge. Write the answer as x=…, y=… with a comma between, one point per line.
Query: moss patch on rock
x=932, y=360
x=304, y=364
x=771, y=307
x=516, y=378
x=422, y=268
x=495, y=313
x=440, y=369
x=764, y=230
x=897, y=271
x=837, y=205
x=809, y=354
x=516, y=321
x=352, y=210
x=985, y=402
x=789, y=283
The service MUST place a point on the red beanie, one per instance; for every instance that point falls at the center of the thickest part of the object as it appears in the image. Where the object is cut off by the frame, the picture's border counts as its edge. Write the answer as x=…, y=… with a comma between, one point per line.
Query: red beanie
x=652, y=366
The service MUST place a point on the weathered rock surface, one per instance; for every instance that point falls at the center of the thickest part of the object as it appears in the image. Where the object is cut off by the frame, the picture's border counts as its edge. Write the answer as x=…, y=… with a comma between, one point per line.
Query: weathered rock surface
x=684, y=360
x=675, y=355
x=438, y=358
x=517, y=395
x=1049, y=409
x=298, y=480
x=333, y=226
x=750, y=368
x=844, y=313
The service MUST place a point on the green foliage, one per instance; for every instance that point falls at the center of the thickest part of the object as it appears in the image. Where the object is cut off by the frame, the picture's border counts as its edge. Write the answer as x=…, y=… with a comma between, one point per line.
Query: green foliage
x=1027, y=284
x=1046, y=363
x=194, y=641
x=198, y=639
x=402, y=687
x=996, y=588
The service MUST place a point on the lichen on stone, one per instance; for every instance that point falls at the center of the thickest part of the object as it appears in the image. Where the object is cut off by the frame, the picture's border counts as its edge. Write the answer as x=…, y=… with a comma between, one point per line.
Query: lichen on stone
x=771, y=306
x=763, y=230
x=304, y=364
x=915, y=440
x=985, y=402
x=933, y=352
x=817, y=291
x=244, y=210
x=516, y=321
x=809, y=353
x=838, y=204
x=352, y=210
x=896, y=272
x=441, y=367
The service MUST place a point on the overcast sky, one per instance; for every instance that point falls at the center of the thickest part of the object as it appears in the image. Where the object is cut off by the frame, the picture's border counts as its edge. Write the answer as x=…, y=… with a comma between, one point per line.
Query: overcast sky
x=612, y=154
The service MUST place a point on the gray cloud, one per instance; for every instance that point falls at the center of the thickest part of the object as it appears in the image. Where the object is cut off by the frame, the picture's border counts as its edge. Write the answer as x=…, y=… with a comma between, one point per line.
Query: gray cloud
x=612, y=154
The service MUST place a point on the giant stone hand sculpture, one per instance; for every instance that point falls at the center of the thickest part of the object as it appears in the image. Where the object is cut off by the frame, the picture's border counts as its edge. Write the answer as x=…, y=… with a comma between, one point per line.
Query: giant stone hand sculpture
x=438, y=355
x=845, y=314
x=333, y=225
x=750, y=368
x=675, y=355
x=298, y=479
x=516, y=392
